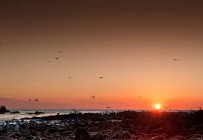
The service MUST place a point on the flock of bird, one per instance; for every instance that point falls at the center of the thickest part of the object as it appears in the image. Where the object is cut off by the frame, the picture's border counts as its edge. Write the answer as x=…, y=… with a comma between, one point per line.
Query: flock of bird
x=36, y=100
x=69, y=77
x=100, y=77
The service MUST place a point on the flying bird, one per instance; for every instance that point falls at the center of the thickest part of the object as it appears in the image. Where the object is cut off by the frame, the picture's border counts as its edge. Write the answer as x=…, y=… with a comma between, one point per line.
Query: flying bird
x=36, y=100
x=108, y=107
x=175, y=59
x=101, y=77
x=69, y=77
x=92, y=97
x=56, y=58
x=166, y=107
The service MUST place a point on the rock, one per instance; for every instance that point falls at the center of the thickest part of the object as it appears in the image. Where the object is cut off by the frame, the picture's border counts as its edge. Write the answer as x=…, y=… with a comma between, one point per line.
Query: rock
x=98, y=136
x=121, y=135
x=33, y=133
x=158, y=130
x=160, y=137
x=6, y=138
x=196, y=137
x=3, y=109
x=38, y=113
x=52, y=130
x=82, y=134
x=16, y=135
x=16, y=127
x=15, y=112
x=178, y=137
x=81, y=123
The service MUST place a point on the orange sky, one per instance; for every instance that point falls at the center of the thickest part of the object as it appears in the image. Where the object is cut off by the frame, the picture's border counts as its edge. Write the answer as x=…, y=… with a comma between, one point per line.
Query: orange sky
x=130, y=43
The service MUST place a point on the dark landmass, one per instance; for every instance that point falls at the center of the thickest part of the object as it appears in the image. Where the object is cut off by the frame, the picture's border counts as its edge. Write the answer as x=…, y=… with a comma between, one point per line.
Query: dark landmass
x=36, y=113
x=122, y=125
x=3, y=109
x=15, y=112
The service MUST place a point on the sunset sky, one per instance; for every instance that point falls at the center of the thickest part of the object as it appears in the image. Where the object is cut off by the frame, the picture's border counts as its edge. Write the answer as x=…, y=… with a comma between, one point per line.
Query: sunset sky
x=132, y=43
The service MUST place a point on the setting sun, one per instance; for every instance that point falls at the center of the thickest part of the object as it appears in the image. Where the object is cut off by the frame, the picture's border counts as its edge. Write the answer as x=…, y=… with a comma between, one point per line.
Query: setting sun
x=157, y=106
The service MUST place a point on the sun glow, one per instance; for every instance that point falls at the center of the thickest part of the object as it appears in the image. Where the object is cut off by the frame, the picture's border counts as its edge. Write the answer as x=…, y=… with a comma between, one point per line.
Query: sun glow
x=157, y=106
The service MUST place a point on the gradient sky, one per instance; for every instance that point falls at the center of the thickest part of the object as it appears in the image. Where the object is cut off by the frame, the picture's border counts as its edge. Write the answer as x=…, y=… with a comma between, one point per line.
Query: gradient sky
x=131, y=43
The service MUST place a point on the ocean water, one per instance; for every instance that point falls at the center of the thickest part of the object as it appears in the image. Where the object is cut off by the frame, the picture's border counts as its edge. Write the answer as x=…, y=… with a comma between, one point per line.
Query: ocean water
x=30, y=113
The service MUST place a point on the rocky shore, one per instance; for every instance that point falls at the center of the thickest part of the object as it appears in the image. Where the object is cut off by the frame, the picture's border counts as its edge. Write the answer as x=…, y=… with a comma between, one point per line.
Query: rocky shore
x=107, y=126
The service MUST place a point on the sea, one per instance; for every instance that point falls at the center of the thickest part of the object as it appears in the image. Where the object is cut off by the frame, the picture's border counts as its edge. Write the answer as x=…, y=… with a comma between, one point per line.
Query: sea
x=31, y=113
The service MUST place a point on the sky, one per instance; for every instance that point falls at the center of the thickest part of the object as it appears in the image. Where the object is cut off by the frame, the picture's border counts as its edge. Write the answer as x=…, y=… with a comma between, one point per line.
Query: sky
x=131, y=44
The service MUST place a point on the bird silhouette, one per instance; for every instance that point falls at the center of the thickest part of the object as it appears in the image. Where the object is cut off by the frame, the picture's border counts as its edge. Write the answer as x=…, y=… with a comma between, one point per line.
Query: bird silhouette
x=69, y=77
x=108, y=107
x=166, y=107
x=36, y=100
x=56, y=58
x=101, y=77
x=175, y=59
x=92, y=97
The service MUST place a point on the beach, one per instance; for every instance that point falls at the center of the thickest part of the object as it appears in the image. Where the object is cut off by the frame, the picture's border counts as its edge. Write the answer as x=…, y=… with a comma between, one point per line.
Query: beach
x=154, y=125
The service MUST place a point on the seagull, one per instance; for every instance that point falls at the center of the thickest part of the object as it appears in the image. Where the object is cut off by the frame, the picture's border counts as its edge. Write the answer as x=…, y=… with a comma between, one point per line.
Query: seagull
x=108, y=107
x=56, y=58
x=36, y=100
x=92, y=97
x=166, y=107
x=101, y=77
x=175, y=59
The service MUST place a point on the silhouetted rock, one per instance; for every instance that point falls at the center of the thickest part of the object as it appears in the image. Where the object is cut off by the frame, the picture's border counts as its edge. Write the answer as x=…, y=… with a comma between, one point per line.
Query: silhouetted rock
x=121, y=135
x=98, y=136
x=160, y=137
x=82, y=134
x=36, y=113
x=15, y=112
x=178, y=137
x=3, y=109
x=81, y=123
